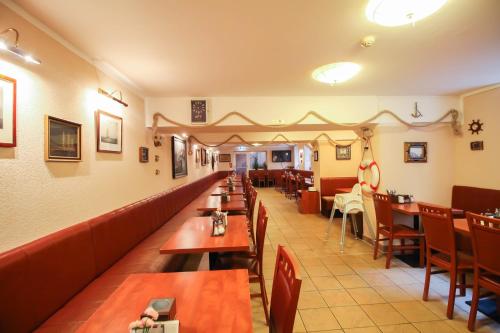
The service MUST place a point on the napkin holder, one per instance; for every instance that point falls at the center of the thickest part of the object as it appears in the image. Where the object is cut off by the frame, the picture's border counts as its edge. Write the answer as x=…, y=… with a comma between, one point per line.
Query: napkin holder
x=166, y=308
x=224, y=197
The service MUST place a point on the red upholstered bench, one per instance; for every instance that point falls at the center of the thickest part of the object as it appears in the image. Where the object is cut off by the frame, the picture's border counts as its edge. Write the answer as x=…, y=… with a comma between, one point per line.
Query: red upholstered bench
x=55, y=283
x=328, y=189
x=474, y=199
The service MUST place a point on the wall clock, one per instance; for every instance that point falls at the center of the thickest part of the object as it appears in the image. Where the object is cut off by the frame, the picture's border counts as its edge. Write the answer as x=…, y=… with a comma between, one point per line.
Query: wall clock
x=199, y=111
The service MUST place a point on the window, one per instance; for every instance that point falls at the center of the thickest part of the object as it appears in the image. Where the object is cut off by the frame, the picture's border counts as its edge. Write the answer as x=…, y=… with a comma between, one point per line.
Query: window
x=258, y=159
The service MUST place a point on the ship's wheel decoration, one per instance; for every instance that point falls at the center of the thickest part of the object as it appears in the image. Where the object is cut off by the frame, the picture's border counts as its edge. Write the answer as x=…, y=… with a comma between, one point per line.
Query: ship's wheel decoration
x=476, y=126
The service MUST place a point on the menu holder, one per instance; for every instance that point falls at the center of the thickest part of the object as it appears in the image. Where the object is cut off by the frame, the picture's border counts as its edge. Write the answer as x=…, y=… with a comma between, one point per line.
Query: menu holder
x=165, y=307
x=169, y=326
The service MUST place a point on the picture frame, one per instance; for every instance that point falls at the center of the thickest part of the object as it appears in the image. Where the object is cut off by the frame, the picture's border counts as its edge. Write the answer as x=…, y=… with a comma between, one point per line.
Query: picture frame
x=476, y=145
x=316, y=156
x=280, y=156
x=224, y=158
x=197, y=156
x=343, y=152
x=109, y=132
x=415, y=152
x=179, y=157
x=8, y=104
x=143, y=154
x=63, y=140
x=199, y=111
x=203, y=156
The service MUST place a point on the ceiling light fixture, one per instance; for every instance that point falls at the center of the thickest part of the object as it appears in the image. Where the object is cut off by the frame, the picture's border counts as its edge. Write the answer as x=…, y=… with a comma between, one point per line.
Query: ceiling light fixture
x=337, y=72
x=392, y=13
x=110, y=95
x=256, y=144
x=14, y=49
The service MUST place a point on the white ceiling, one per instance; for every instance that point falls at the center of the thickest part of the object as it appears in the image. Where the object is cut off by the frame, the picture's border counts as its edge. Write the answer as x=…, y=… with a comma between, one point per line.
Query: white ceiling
x=266, y=48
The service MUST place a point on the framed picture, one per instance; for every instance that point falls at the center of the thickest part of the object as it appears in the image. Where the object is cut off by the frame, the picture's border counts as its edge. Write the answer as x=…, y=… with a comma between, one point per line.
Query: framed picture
x=197, y=156
x=415, y=152
x=199, y=111
x=7, y=111
x=203, y=156
x=179, y=157
x=476, y=145
x=63, y=140
x=343, y=152
x=225, y=158
x=279, y=156
x=109, y=133
x=143, y=154
x=316, y=156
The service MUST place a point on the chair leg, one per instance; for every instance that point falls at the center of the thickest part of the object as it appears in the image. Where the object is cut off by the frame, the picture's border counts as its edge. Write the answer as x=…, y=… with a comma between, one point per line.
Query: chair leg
x=462, y=284
x=375, y=251
x=342, y=233
x=422, y=251
x=427, y=282
x=402, y=241
x=354, y=225
x=452, y=293
x=265, y=301
x=473, y=305
x=389, y=253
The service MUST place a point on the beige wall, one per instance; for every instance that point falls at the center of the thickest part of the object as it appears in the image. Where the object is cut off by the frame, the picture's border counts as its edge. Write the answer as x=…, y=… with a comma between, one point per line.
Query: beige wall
x=480, y=168
x=39, y=197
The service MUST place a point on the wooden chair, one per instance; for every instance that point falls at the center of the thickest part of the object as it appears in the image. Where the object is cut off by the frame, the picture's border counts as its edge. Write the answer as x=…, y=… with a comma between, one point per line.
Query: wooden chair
x=250, y=213
x=292, y=187
x=485, y=234
x=261, y=178
x=285, y=293
x=441, y=251
x=390, y=231
x=271, y=181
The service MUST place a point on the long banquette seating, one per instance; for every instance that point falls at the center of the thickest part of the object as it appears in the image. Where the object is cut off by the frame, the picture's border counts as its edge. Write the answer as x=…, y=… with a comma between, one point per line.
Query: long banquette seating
x=475, y=199
x=55, y=283
x=328, y=189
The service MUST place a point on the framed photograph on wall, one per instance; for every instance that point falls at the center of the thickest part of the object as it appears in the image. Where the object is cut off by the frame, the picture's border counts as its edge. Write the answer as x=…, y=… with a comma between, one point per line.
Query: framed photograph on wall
x=7, y=111
x=109, y=132
x=179, y=157
x=415, y=152
x=343, y=152
x=279, y=156
x=203, y=156
x=197, y=156
x=199, y=111
x=225, y=158
x=316, y=156
x=63, y=140
x=143, y=154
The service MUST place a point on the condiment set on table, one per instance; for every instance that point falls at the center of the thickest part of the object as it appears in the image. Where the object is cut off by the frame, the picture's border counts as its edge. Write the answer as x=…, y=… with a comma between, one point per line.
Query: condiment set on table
x=400, y=198
x=157, y=318
x=219, y=223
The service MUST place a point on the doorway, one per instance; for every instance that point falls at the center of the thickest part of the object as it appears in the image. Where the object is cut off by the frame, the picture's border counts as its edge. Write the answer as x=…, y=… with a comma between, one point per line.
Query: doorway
x=241, y=164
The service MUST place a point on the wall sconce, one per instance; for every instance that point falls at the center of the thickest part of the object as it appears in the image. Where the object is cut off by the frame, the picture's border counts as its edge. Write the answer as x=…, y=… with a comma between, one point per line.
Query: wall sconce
x=110, y=95
x=14, y=49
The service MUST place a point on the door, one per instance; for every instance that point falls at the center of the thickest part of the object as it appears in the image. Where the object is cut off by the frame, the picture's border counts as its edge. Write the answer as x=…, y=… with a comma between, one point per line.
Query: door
x=241, y=163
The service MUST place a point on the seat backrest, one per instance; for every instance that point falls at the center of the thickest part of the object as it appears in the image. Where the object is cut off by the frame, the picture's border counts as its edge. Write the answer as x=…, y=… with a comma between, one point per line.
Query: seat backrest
x=261, y=234
x=285, y=294
x=251, y=205
x=329, y=185
x=356, y=190
x=485, y=234
x=438, y=228
x=474, y=199
x=383, y=210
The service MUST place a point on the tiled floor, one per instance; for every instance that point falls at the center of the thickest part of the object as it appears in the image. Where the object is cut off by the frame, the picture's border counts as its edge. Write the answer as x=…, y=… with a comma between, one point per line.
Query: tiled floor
x=351, y=292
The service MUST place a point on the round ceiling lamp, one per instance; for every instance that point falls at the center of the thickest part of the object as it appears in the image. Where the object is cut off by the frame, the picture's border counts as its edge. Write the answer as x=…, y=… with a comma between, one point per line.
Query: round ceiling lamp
x=392, y=13
x=337, y=72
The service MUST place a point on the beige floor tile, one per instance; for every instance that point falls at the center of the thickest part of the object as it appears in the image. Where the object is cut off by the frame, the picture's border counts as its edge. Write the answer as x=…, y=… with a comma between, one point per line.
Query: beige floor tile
x=326, y=283
x=377, y=279
x=311, y=300
x=402, y=328
x=337, y=297
x=362, y=330
x=318, y=319
x=394, y=294
x=332, y=260
x=366, y=296
x=298, y=326
x=383, y=314
x=307, y=285
x=315, y=271
x=340, y=269
x=351, y=317
x=351, y=281
x=434, y=327
x=414, y=311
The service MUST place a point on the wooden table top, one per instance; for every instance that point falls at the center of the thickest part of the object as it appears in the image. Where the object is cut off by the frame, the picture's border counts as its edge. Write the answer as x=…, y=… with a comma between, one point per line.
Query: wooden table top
x=407, y=209
x=194, y=236
x=461, y=226
x=206, y=301
x=237, y=190
x=224, y=183
x=236, y=203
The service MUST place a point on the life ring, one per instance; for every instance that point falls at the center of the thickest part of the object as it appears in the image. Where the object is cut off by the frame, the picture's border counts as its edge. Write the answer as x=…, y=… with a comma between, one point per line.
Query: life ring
x=375, y=179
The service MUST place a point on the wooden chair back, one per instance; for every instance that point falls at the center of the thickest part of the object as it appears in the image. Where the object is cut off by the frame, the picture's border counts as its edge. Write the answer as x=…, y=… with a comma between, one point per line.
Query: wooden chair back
x=485, y=234
x=383, y=210
x=251, y=206
x=261, y=234
x=285, y=294
x=438, y=229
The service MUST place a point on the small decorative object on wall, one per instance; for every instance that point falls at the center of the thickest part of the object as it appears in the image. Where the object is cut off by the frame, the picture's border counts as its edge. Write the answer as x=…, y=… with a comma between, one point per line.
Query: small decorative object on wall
x=109, y=132
x=280, y=156
x=476, y=126
x=416, y=113
x=343, y=152
x=316, y=156
x=157, y=172
x=213, y=162
x=225, y=158
x=7, y=111
x=197, y=156
x=415, y=152
x=179, y=157
x=476, y=145
x=63, y=140
x=203, y=156
x=199, y=111
x=157, y=158
x=143, y=154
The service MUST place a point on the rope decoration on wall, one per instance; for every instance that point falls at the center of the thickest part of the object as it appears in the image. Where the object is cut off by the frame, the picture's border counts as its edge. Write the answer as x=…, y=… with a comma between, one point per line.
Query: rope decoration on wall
x=454, y=123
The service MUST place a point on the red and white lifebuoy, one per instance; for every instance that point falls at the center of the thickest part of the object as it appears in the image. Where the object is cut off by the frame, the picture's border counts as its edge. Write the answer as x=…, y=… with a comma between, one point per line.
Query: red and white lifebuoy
x=375, y=178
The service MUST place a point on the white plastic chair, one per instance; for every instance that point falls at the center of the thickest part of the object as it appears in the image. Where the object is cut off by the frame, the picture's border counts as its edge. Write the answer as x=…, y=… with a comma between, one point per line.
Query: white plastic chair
x=347, y=203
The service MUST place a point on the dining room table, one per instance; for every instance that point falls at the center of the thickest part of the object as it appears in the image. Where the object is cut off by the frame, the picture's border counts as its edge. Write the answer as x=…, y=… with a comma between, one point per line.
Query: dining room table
x=224, y=183
x=238, y=190
x=235, y=203
x=205, y=301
